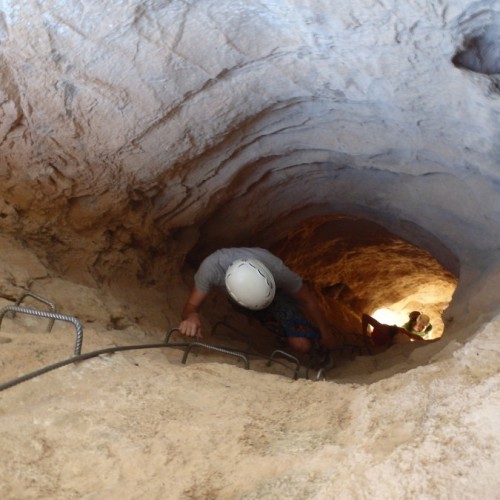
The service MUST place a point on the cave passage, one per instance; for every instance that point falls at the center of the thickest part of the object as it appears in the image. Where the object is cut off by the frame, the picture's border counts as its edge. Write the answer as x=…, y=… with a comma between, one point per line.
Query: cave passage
x=357, y=266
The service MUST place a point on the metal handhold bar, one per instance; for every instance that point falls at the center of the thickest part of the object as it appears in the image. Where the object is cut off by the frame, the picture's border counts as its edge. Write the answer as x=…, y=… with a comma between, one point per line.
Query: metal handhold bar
x=52, y=306
x=215, y=348
x=321, y=375
x=289, y=356
x=45, y=314
x=169, y=334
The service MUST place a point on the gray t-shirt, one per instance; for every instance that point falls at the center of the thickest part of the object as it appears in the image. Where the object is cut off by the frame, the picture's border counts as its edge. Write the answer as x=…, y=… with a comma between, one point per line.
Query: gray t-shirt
x=212, y=271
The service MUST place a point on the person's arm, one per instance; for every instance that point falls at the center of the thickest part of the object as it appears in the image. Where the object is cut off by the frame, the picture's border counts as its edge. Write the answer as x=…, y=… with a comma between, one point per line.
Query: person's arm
x=368, y=320
x=307, y=299
x=414, y=336
x=191, y=324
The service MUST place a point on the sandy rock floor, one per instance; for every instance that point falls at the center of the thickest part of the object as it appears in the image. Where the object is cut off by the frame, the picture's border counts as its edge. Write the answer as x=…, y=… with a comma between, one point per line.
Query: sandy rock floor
x=140, y=424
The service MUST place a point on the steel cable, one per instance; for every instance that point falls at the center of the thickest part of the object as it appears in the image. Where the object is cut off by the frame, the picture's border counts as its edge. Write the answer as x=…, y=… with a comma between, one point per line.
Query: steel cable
x=109, y=350
x=82, y=357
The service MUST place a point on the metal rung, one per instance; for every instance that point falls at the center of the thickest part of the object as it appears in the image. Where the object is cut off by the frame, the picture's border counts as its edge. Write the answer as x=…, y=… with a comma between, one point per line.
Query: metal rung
x=52, y=306
x=288, y=356
x=169, y=334
x=45, y=314
x=218, y=349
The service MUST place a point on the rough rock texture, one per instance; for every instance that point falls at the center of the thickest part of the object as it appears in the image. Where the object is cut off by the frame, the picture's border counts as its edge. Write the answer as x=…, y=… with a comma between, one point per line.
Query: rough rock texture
x=359, y=140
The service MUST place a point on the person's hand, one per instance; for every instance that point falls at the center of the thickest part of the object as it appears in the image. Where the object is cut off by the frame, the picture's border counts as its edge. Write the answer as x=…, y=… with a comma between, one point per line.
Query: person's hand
x=191, y=326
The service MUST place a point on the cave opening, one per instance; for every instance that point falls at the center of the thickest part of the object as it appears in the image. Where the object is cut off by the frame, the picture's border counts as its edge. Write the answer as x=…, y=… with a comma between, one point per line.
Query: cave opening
x=356, y=266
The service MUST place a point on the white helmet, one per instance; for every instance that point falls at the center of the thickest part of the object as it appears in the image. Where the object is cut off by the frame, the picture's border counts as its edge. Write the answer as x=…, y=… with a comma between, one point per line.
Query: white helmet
x=250, y=283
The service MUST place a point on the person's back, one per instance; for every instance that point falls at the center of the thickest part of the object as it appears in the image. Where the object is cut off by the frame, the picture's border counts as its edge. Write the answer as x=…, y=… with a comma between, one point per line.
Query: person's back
x=381, y=335
x=212, y=271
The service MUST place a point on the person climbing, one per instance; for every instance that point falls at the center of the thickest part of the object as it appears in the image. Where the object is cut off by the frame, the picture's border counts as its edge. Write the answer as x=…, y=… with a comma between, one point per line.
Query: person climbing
x=258, y=280
x=418, y=324
x=384, y=335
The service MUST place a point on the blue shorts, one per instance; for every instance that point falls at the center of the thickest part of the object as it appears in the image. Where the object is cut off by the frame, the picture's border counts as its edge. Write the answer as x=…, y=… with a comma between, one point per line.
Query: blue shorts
x=286, y=311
